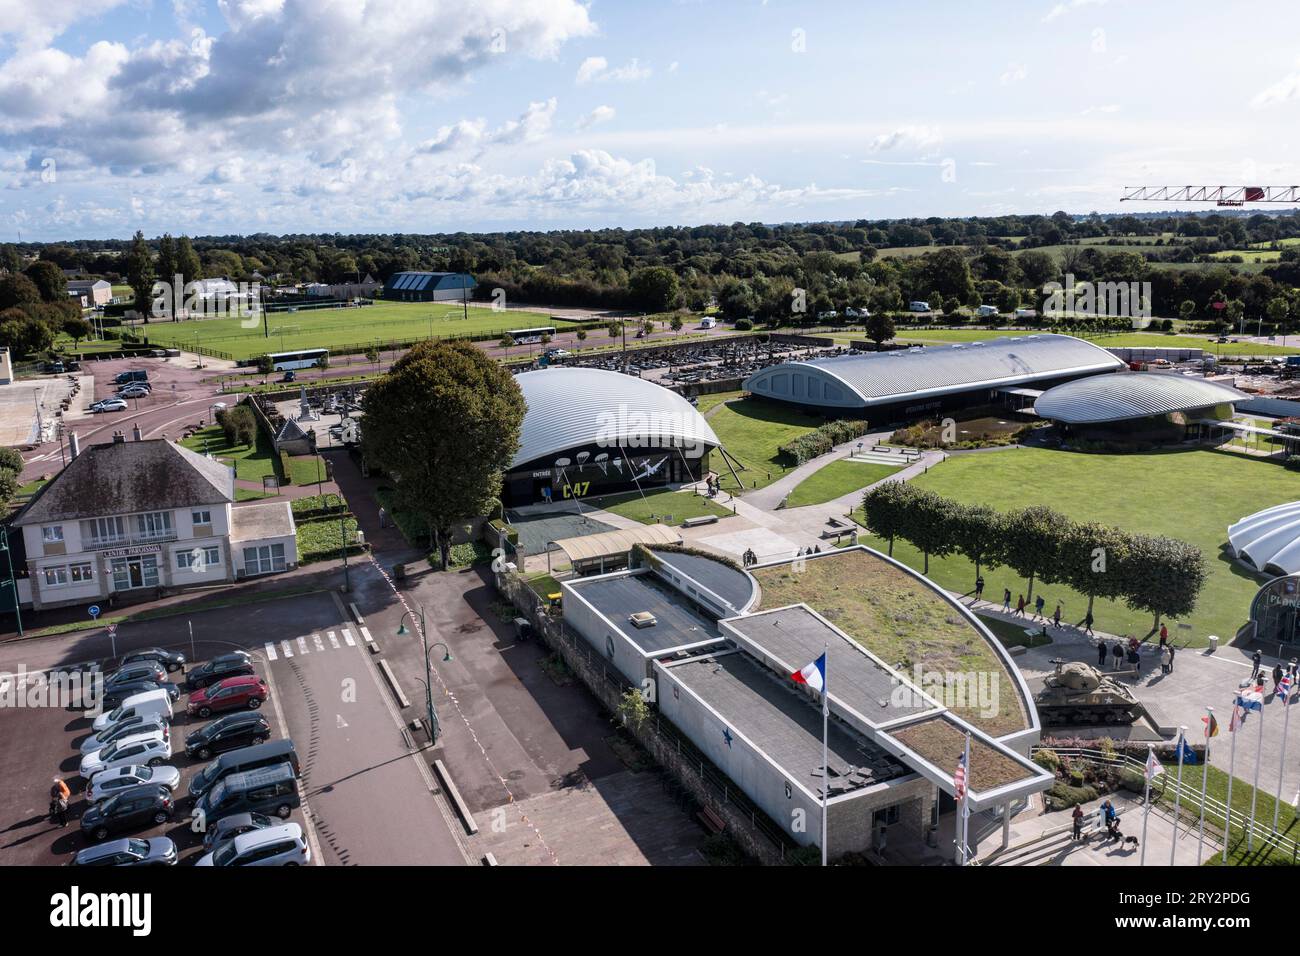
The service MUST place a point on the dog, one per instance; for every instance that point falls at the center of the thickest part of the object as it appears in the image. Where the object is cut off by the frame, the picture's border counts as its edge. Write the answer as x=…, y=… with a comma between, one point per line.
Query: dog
x=1130, y=841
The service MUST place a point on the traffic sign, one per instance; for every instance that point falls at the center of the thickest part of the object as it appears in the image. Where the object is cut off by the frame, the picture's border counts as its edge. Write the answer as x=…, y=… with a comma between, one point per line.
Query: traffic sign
x=112, y=630
x=94, y=610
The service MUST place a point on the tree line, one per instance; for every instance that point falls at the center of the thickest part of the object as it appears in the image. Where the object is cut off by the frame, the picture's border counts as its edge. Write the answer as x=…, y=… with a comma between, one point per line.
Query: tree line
x=1159, y=575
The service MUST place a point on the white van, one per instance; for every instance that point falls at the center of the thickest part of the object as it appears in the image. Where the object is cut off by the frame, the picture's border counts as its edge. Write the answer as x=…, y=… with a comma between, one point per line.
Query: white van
x=918, y=306
x=708, y=322
x=1026, y=313
x=985, y=311
x=145, y=705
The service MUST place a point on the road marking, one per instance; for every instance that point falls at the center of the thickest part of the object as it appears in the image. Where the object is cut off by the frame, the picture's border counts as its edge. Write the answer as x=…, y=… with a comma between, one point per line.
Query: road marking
x=339, y=721
x=347, y=636
x=285, y=646
x=270, y=652
x=320, y=645
x=365, y=633
x=334, y=641
x=308, y=831
x=302, y=645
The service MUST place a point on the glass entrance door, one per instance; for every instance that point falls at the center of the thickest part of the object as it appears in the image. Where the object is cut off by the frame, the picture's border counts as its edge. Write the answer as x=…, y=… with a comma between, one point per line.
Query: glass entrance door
x=135, y=572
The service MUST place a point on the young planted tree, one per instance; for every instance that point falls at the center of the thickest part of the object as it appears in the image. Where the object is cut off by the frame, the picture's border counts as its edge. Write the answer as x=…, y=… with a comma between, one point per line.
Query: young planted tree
x=1092, y=559
x=1162, y=575
x=445, y=423
x=884, y=509
x=880, y=328
x=978, y=533
x=1033, y=541
x=928, y=520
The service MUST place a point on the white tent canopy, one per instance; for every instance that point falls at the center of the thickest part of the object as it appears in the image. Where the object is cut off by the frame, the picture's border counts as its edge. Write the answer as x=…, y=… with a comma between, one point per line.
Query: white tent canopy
x=1269, y=539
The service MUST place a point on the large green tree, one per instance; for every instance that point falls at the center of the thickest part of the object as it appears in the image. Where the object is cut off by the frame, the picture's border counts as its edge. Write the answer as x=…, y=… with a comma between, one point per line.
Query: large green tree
x=654, y=289
x=140, y=274
x=885, y=510
x=1162, y=576
x=16, y=290
x=1033, y=541
x=978, y=532
x=49, y=280
x=880, y=328
x=444, y=422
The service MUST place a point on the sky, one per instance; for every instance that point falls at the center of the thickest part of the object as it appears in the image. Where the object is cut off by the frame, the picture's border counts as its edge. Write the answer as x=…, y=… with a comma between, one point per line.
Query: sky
x=214, y=117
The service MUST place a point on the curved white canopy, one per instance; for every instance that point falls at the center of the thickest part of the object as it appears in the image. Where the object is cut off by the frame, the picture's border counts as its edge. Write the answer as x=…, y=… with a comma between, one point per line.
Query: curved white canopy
x=1269, y=539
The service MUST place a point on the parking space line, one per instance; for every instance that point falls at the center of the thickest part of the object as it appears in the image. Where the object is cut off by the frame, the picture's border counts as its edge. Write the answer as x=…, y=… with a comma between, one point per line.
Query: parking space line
x=285, y=646
x=347, y=636
x=302, y=646
x=334, y=641
x=270, y=652
x=320, y=645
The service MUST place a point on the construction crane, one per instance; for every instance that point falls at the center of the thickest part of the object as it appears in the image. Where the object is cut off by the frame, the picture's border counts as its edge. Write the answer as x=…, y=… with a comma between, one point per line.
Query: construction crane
x=1219, y=195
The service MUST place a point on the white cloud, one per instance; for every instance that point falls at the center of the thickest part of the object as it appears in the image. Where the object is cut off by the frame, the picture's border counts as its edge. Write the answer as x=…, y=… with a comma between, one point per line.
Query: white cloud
x=1107, y=108
x=601, y=114
x=1061, y=9
x=1283, y=91
x=596, y=69
x=1014, y=73
x=37, y=22
x=473, y=134
x=912, y=137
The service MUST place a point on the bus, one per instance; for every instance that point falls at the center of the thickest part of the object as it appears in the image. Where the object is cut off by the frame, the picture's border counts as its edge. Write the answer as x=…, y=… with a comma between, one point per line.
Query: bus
x=306, y=358
x=531, y=336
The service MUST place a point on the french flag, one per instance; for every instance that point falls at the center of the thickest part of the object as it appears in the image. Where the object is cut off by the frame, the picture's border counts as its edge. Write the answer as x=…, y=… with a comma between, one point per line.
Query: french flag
x=814, y=675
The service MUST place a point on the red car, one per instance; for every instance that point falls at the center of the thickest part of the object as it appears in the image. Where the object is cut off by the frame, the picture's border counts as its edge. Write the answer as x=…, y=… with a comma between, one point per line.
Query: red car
x=233, y=692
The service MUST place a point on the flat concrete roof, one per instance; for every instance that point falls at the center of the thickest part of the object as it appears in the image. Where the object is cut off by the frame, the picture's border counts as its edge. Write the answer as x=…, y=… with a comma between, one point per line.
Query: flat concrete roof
x=793, y=636
x=619, y=596
x=780, y=722
x=731, y=584
x=272, y=519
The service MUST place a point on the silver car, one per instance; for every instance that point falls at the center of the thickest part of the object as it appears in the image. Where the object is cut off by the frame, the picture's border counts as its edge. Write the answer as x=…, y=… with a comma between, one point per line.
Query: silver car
x=105, y=784
x=272, y=846
x=135, y=724
x=159, y=851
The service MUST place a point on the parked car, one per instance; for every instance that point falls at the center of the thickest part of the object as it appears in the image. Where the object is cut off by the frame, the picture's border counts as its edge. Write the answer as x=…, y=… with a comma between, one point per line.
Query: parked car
x=149, y=702
x=129, y=809
x=227, y=828
x=133, y=375
x=108, y=405
x=127, y=727
x=267, y=790
x=137, y=671
x=113, y=696
x=274, y=846
x=269, y=754
x=150, y=748
x=54, y=368
x=233, y=692
x=114, y=781
x=235, y=664
x=158, y=851
x=172, y=660
x=134, y=391
x=236, y=730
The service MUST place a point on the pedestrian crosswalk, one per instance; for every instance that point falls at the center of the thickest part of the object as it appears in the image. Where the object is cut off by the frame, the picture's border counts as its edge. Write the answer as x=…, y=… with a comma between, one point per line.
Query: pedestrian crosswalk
x=302, y=646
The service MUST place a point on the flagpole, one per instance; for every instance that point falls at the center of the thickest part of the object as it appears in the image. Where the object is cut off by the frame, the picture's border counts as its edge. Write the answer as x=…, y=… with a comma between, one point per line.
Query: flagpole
x=1254, y=797
x=826, y=767
x=1281, y=763
x=1234, y=727
x=1205, y=779
x=965, y=809
x=1178, y=792
x=1146, y=805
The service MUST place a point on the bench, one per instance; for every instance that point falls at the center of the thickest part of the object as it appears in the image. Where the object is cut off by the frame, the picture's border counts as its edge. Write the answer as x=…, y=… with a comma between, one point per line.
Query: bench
x=711, y=821
x=702, y=519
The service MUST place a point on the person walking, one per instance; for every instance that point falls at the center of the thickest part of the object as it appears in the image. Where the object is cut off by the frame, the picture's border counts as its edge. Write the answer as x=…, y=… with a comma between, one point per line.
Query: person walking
x=1164, y=635
x=1277, y=676
x=1103, y=651
x=1087, y=624
x=1256, y=660
x=1038, y=607
x=59, y=794
x=1164, y=659
x=1020, y=606
x=1110, y=817
x=1006, y=600
x=1117, y=654
x=1056, y=618
x=1172, y=651
x=979, y=588
x=1077, y=816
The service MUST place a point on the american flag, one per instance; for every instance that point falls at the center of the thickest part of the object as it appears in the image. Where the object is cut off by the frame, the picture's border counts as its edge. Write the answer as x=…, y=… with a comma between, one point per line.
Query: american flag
x=959, y=778
x=1284, y=688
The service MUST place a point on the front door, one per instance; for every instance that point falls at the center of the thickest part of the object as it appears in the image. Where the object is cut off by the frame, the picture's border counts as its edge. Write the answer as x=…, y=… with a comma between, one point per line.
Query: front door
x=135, y=572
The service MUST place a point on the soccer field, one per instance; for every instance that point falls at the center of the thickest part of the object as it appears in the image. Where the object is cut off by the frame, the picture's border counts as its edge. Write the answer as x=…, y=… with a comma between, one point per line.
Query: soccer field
x=378, y=324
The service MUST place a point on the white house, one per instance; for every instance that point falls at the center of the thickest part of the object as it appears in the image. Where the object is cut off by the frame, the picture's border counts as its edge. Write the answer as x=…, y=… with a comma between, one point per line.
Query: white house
x=146, y=516
x=91, y=292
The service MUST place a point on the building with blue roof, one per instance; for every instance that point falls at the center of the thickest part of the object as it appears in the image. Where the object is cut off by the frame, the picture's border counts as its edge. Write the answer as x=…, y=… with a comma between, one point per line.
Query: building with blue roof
x=429, y=286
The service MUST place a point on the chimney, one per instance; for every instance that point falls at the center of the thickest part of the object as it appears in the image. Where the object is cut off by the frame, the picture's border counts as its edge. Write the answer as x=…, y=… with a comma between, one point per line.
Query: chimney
x=136, y=434
x=74, y=445
x=118, y=438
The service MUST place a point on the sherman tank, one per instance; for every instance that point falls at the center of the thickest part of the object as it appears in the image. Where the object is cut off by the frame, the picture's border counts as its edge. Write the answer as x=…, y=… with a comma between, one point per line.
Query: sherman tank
x=1079, y=694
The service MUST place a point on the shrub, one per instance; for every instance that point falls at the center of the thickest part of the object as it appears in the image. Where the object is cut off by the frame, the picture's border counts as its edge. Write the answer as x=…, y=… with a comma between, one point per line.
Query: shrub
x=744, y=325
x=1062, y=796
x=238, y=425
x=286, y=468
x=1048, y=760
x=1293, y=462
x=823, y=438
x=265, y=365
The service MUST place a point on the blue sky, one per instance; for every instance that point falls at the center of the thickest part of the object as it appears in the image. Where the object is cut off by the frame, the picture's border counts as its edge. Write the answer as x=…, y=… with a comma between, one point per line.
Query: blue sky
x=231, y=116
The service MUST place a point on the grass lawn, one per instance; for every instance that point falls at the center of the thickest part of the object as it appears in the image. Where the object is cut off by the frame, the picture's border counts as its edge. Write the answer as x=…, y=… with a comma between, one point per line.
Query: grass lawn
x=898, y=619
x=376, y=324
x=252, y=462
x=320, y=539
x=1111, y=340
x=1192, y=495
x=717, y=398
x=836, y=479
x=658, y=503
x=306, y=469
x=1216, y=787
x=752, y=431
x=1013, y=635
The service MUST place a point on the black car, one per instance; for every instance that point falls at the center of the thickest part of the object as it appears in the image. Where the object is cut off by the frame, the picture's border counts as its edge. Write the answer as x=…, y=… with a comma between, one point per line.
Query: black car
x=172, y=660
x=113, y=696
x=136, y=807
x=236, y=664
x=242, y=729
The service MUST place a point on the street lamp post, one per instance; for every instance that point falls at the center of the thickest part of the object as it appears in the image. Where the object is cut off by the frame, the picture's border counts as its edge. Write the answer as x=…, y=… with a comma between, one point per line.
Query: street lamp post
x=430, y=713
x=13, y=583
x=343, y=532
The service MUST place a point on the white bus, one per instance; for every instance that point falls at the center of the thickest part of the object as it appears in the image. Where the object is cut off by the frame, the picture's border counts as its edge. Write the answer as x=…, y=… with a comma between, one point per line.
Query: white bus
x=531, y=336
x=305, y=358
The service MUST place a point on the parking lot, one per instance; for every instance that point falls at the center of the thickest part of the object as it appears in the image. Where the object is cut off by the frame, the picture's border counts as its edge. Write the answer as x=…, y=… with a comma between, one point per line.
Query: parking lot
x=366, y=798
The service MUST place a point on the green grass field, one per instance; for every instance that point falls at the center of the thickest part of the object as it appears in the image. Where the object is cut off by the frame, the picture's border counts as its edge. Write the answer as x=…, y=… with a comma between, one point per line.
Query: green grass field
x=376, y=324
x=1192, y=495
x=255, y=462
x=836, y=479
x=658, y=504
x=1216, y=788
x=752, y=432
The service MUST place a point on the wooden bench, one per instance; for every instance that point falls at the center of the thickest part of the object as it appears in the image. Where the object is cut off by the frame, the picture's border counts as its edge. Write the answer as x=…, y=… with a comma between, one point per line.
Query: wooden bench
x=711, y=821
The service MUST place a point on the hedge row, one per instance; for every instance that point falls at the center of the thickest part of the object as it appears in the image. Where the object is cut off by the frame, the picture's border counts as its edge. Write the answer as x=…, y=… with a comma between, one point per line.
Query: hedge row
x=823, y=438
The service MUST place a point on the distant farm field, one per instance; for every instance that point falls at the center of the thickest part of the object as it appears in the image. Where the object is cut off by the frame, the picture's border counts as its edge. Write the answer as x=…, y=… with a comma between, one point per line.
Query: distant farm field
x=378, y=324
